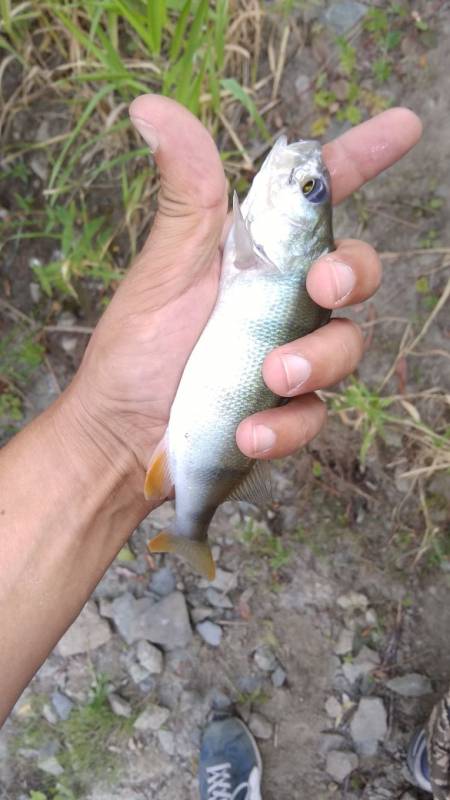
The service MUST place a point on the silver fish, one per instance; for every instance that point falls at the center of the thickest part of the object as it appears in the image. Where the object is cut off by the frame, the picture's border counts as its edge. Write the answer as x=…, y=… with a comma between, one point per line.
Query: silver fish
x=282, y=227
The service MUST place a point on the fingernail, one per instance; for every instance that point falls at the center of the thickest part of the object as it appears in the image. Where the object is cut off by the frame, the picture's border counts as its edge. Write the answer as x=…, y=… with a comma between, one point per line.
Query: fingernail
x=297, y=370
x=263, y=439
x=343, y=280
x=147, y=132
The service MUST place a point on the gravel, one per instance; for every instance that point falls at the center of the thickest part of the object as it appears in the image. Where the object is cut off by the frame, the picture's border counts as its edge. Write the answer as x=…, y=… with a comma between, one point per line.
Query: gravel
x=411, y=685
x=152, y=718
x=368, y=725
x=341, y=764
x=210, y=633
x=260, y=726
x=150, y=657
x=88, y=632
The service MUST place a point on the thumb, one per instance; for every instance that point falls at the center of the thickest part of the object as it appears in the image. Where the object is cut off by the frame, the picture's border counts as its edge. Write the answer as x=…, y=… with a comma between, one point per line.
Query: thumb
x=192, y=201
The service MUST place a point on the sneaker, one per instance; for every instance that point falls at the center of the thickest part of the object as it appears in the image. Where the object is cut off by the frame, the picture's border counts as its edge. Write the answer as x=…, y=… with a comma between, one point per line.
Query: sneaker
x=230, y=764
x=417, y=759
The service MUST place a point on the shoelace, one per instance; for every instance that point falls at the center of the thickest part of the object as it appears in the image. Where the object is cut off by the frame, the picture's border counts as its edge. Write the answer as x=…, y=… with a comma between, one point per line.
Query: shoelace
x=219, y=784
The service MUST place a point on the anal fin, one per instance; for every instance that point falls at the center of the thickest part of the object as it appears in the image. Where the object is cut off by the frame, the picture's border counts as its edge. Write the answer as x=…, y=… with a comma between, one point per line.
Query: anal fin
x=158, y=480
x=197, y=554
x=256, y=487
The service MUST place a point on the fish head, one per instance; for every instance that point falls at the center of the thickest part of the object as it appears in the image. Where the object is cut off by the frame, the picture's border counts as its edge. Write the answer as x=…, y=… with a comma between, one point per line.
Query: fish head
x=290, y=198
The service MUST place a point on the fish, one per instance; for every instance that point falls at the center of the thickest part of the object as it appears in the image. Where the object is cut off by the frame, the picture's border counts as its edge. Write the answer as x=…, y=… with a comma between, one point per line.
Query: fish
x=283, y=225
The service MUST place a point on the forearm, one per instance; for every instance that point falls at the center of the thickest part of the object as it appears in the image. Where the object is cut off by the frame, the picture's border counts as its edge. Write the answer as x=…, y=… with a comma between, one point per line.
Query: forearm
x=66, y=509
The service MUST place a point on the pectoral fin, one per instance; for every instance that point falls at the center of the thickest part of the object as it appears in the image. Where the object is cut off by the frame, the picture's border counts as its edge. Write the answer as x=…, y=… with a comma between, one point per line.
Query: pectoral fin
x=197, y=554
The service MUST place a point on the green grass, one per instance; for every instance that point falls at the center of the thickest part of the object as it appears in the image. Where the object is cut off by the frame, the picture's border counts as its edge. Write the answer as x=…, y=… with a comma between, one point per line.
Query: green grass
x=89, y=741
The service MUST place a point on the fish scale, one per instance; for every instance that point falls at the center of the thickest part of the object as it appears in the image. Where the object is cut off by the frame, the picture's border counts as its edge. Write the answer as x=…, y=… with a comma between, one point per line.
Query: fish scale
x=283, y=226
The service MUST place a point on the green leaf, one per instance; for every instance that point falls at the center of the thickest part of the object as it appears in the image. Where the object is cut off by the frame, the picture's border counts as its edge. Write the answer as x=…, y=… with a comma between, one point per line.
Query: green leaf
x=232, y=86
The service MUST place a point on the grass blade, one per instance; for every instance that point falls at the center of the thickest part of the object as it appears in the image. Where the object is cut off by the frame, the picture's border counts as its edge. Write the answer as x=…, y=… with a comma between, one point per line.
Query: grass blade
x=232, y=86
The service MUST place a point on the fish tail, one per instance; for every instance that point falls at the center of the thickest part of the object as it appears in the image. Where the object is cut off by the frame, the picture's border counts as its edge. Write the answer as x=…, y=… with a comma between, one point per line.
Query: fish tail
x=197, y=554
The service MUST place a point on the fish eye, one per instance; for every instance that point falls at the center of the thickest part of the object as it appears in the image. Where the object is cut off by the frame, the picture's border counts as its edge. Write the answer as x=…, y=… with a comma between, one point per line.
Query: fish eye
x=315, y=190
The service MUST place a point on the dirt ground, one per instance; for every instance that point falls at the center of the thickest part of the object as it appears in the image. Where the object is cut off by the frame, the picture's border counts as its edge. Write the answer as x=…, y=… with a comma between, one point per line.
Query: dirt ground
x=340, y=551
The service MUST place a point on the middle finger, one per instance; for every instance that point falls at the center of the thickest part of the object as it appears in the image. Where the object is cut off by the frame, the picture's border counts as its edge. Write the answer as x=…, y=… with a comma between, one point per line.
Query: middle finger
x=305, y=365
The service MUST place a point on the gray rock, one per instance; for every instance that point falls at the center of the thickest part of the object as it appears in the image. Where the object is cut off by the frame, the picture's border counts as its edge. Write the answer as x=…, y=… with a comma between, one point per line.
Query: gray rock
x=250, y=683
x=369, y=725
x=223, y=582
x=278, y=677
x=166, y=622
x=218, y=599
x=365, y=662
x=210, y=632
x=219, y=700
x=265, y=659
x=340, y=764
x=163, y=581
x=411, y=685
x=68, y=343
x=131, y=616
x=201, y=613
x=331, y=741
x=137, y=672
x=342, y=16
x=150, y=657
x=119, y=706
x=344, y=644
x=88, y=632
x=353, y=601
x=333, y=707
x=62, y=705
x=51, y=766
x=167, y=742
x=260, y=726
x=152, y=718
x=169, y=623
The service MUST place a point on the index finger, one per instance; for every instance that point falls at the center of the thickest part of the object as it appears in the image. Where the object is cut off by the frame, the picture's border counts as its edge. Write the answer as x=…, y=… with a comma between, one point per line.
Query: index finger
x=363, y=152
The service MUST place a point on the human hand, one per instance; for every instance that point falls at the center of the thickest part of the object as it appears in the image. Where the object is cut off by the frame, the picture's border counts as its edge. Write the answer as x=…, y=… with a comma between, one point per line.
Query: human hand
x=121, y=397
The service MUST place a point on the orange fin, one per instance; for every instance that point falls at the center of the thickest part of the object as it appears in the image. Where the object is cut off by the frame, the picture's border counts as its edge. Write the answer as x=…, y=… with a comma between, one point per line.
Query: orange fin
x=197, y=554
x=158, y=481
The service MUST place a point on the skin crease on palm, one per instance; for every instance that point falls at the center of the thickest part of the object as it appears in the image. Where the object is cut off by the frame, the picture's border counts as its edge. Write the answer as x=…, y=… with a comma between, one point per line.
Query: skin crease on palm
x=136, y=356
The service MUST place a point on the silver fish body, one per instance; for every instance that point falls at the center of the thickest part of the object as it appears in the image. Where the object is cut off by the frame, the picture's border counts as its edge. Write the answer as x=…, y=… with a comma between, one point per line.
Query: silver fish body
x=262, y=303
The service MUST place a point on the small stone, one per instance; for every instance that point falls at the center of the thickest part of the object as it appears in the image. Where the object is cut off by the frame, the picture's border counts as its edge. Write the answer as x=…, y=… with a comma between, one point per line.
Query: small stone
x=353, y=601
x=369, y=725
x=210, y=633
x=364, y=663
x=224, y=581
x=341, y=17
x=66, y=319
x=49, y=714
x=35, y=292
x=331, y=741
x=163, y=581
x=152, y=718
x=51, y=766
x=218, y=599
x=301, y=85
x=340, y=764
x=119, y=706
x=333, y=707
x=249, y=684
x=167, y=742
x=68, y=343
x=265, y=659
x=219, y=700
x=260, y=726
x=278, y=677
x=411, y=685
x=344, y=644
x=137, y=672
x=150, y=657
x=169, y=623
x=200, y=613
x=88, y=632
